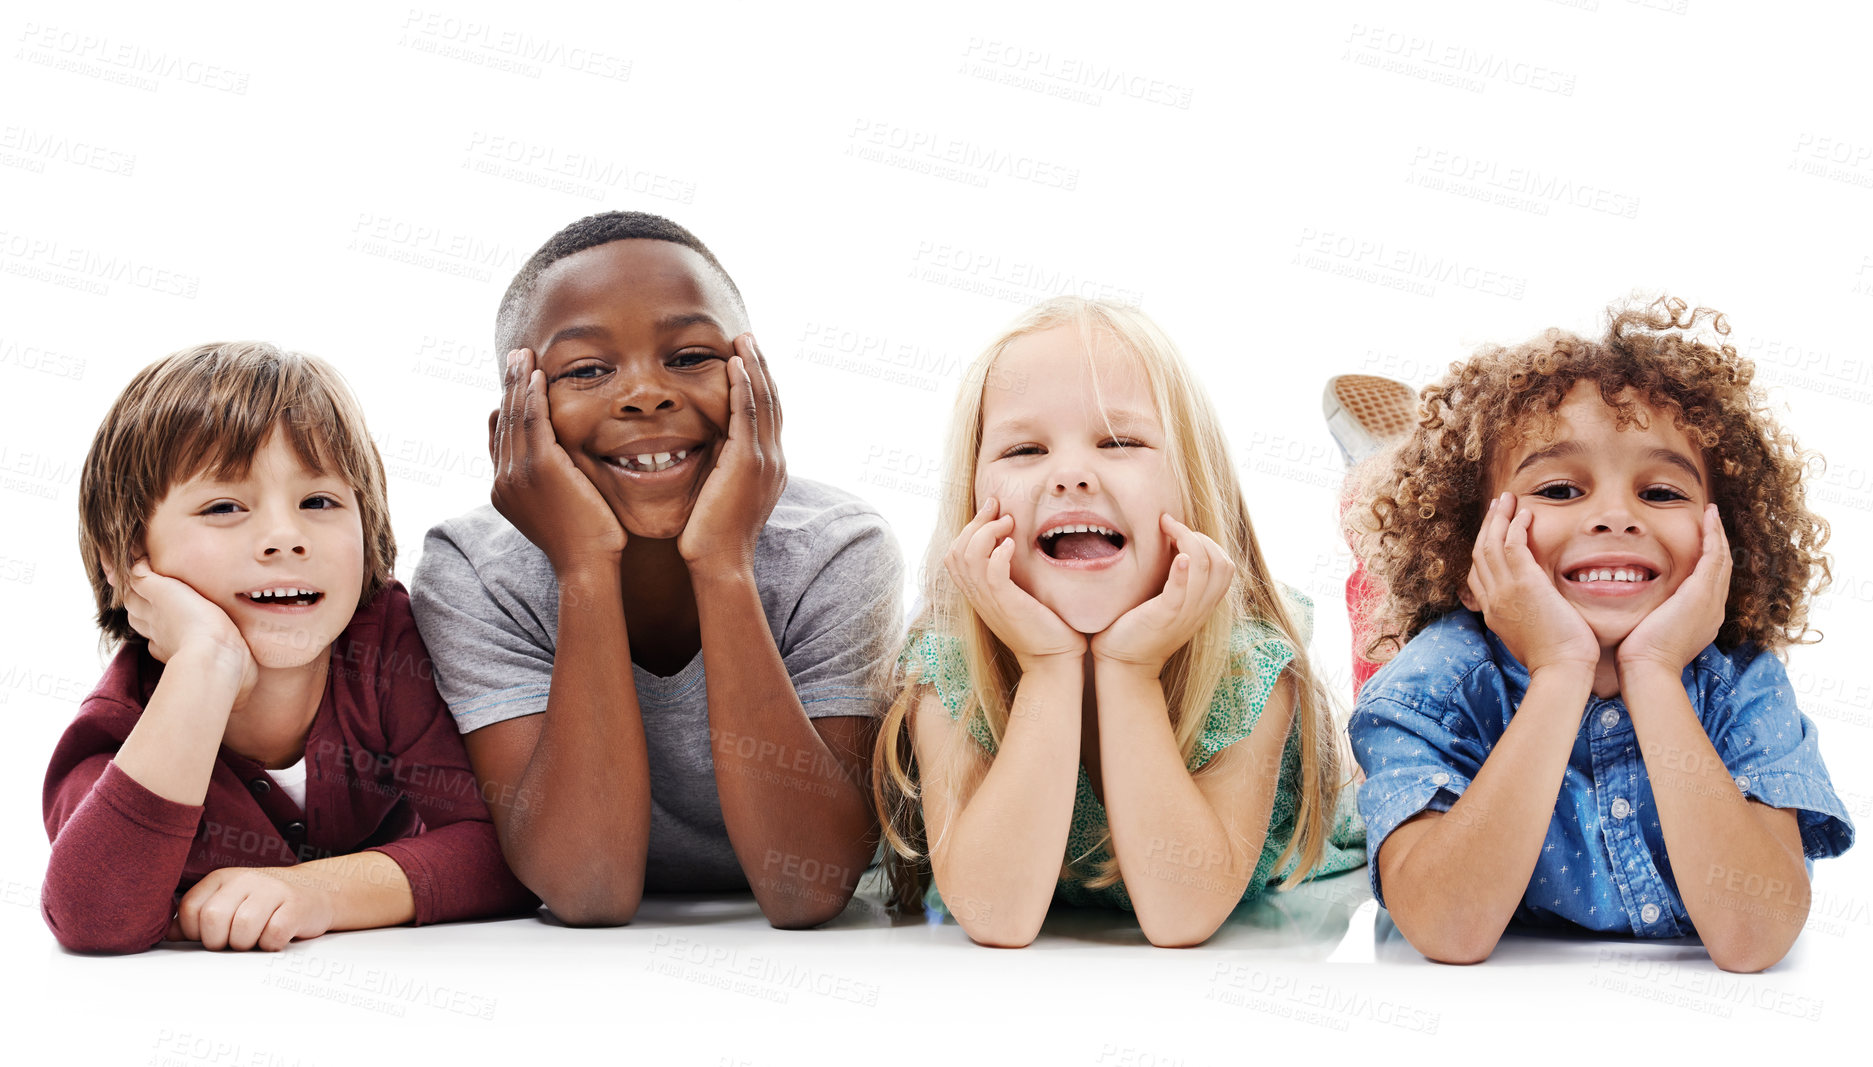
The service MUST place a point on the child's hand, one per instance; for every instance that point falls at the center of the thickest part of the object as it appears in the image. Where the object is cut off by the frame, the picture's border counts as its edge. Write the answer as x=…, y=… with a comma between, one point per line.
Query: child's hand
x=1200, y=577
x=536, y=486
x=1518, y=601
x=1677, y=630
x=978, y=561
x=250, y=907
x=175, y=619
x=749, y=474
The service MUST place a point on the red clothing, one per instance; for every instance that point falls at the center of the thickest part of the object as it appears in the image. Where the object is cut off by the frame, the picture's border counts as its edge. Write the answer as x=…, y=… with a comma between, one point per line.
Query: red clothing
x=385, y=770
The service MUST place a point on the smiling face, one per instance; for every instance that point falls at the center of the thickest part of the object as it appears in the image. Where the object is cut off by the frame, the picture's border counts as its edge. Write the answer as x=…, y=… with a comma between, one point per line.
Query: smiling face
x=1085, y=473
x=281, y=551
x=634, y=337
x=1617, y=513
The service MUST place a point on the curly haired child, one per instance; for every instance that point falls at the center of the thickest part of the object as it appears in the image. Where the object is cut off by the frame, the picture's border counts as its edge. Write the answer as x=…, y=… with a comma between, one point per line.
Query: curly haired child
x=1591, y=552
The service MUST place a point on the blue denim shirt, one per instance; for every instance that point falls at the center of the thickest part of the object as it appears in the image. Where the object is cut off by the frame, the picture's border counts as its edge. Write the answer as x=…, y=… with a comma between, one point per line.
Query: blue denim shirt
x=1427, y=721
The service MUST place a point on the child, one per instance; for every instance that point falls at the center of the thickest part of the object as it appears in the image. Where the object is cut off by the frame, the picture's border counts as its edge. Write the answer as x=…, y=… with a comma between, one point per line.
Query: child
x=1104, y=671
x=644, y=527
x=270, y=712
x=1591, y=551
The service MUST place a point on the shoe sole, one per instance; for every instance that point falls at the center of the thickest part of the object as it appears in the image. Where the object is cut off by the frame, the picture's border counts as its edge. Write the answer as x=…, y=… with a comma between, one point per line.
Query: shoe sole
x=1381, y=407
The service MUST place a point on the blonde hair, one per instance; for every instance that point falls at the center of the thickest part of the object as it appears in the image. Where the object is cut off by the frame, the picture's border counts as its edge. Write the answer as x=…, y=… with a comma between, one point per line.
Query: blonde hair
x=1211, y=496
x=210, y=408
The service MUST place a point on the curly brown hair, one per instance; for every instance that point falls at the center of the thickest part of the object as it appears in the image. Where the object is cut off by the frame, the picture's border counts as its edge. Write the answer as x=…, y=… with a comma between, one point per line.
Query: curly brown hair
x=1418, y=506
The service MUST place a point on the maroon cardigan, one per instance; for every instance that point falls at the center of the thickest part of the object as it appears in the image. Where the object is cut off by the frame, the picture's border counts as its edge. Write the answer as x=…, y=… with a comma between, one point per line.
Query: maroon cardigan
x=385, y=770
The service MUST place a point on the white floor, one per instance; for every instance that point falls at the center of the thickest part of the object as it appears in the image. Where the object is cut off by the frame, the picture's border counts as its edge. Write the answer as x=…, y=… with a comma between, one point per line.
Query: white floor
x=706, y=981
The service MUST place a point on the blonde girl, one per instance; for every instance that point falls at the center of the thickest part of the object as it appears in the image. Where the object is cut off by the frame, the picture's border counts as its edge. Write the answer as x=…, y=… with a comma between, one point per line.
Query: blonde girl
x=1103, y=671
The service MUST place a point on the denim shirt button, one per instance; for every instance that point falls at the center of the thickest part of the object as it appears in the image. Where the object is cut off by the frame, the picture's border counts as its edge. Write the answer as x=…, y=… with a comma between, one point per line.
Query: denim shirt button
x=1440, y=778
x=1742, y=783
x=1648, y=914
x=1609, y=718
x=1621, y=809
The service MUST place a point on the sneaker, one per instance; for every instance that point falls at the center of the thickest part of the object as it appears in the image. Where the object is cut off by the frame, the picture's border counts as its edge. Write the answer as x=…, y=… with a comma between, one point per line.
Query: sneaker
x=1365, y=413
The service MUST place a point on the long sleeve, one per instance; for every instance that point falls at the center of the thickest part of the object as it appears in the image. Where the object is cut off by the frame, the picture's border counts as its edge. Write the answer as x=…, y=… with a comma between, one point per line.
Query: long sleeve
x=455, y=866
x=118, y=850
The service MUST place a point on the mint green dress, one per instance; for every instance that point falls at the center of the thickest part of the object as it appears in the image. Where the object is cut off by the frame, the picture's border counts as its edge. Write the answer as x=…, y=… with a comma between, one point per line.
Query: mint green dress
x=1258, y=654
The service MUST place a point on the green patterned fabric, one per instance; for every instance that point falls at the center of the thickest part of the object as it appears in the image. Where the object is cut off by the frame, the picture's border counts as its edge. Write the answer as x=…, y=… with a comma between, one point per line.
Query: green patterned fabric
x=1258, y=654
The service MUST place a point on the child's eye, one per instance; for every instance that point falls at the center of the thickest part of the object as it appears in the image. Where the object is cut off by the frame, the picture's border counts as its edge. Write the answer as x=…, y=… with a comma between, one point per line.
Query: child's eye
x=221, y=507
x=691, y=358
x=1024, y=450
x=1661, y=494
x=320, y=503
x=1121, y=442
x=1558, y=491
x=583, y=372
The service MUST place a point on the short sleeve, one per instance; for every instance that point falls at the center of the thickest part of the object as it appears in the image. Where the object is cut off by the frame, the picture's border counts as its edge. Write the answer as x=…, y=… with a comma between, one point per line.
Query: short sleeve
x=937, y=660
x=1257, y=656
x=1773, y=753
x=841, y=633
x=1258, y=653
x=491, y=663
x=1415, y=760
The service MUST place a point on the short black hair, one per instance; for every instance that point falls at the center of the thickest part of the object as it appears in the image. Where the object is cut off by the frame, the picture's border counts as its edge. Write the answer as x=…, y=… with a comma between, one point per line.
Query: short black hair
x=590, y=232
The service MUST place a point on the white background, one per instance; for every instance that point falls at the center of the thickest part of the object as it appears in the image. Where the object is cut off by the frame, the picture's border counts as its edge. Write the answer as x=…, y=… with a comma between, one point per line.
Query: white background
x=1295, y=192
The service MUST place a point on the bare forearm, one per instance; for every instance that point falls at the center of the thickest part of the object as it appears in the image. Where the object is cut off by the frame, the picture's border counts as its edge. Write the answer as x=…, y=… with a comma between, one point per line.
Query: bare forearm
x=367, y=890
x=798, y=815
x=579, y=831
x=1453, y=893
x=171, y=750
x=999, y=860
x=1182, y=869
x=1746, y=892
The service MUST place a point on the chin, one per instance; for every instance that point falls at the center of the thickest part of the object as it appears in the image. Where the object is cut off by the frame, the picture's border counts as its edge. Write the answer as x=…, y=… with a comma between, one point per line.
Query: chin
x=1086, y=618
x=276, y=652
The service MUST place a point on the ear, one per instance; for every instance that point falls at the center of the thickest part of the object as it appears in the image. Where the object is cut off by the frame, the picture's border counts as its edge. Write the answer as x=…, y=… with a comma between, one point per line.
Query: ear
x=110, y=572
x=1467, y=598
x=494, y=419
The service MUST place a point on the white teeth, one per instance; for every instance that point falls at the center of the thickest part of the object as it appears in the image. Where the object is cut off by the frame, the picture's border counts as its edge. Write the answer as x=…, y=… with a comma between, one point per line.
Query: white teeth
x=1082, y=528
x=1610, y=574
x=280, y=594
x=653, y=461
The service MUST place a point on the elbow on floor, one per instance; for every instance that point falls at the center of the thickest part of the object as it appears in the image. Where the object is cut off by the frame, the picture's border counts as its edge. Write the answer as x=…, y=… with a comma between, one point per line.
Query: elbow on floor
x=1458, y=948
x=593, y=909
x=93, y=938
x=1745, y=955
x=1171, y=935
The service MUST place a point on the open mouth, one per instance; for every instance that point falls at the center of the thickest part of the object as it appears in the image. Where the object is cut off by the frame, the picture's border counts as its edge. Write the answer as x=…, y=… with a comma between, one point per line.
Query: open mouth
x=639, y=464
x=650, y=462
x=1082, y=541
x=290, y=596
x=1597, y=575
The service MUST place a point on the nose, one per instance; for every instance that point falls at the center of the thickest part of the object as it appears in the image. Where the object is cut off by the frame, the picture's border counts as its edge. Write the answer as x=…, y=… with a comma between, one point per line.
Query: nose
x=1616, y=515
x=1074, y=478
x=638, y=393
x=281, y=535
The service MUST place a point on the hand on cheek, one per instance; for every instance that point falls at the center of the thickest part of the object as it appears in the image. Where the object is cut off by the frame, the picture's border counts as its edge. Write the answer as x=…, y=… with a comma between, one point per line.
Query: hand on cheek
x=1674, y=633
x=1200, y=576
x=1519, y=602
x=979, y=561
x=174, y=619
x=536, y=485
x=749, y=473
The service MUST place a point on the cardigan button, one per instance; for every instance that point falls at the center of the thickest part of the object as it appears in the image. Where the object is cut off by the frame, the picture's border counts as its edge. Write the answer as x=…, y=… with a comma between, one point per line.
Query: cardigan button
x=295, y=828
x=261, y=785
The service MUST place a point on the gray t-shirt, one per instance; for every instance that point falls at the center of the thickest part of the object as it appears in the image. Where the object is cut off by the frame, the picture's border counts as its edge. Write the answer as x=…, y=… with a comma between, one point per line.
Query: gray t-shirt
x=829, y=576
